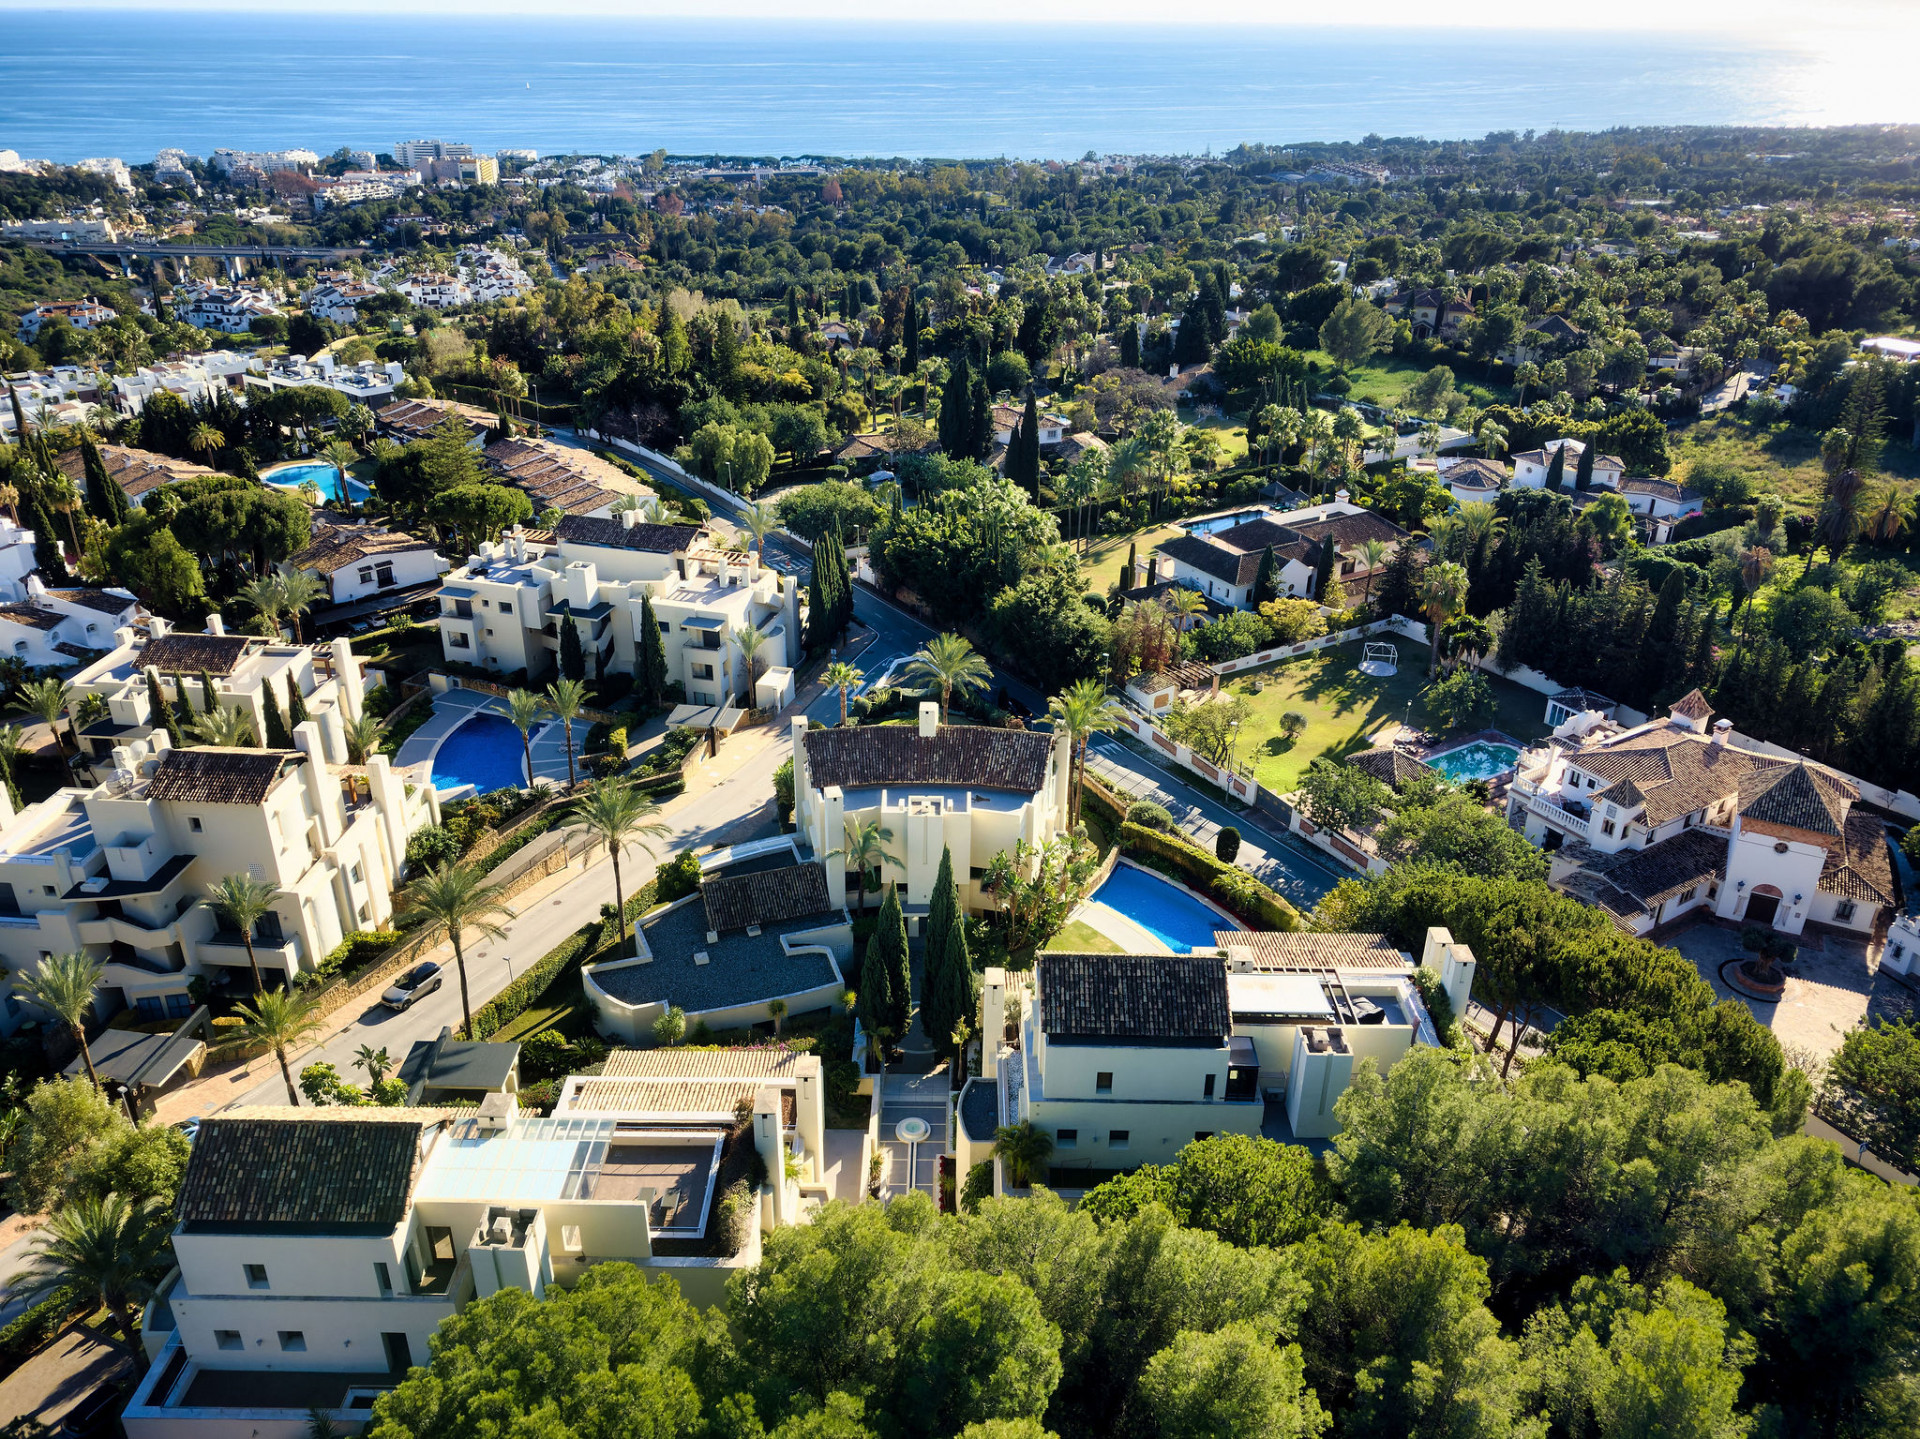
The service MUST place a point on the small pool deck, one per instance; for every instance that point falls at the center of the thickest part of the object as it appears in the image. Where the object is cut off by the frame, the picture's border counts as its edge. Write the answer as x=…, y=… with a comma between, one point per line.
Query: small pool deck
x=457, y=706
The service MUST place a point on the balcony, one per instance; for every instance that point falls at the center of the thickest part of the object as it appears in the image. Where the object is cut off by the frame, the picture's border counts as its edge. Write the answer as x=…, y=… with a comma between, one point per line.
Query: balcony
x=1554, y=814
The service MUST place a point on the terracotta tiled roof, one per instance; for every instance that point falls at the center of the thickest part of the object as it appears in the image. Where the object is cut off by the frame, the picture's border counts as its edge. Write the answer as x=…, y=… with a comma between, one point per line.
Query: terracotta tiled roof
x=260, y=1175
x=1799, y=797
x=750, y=1061
x=104, y=601
x=769, y=896
x=1665, y=489
x=135, y=471
x=415, y=419
x=189, y=654
x=1389, y=765
x=965, y=755
x=336, y=546
x=1278, y=952
x=1132, y=996
x=612, y=535
x=218, y=776
x=30, y=617
x=1860, y=868
x=1478, y=474
x=1692, y=705
x=1660, y=871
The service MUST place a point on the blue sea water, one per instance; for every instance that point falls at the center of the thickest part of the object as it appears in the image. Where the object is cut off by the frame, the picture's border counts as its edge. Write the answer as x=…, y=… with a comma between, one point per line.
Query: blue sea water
x=128, y=83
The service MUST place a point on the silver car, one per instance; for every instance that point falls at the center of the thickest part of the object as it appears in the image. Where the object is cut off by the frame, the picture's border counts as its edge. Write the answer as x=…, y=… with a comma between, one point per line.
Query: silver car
x=421, y=979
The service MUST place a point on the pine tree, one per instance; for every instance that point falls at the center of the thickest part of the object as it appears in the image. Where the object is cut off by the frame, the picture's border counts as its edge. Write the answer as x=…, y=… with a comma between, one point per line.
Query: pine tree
x=573, y=655
x=1398, y=592
x=1557, y=469
x=890, y=937
x=162, y=716
x=276, y=736
x=943, y=907
x=652, y=666
x=955, y=422
x=296, y=705
x=1583, y=472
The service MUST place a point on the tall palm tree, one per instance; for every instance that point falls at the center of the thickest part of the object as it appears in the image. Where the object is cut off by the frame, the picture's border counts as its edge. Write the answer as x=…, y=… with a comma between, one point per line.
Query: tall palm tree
x=1185, y=604
x=750, y=642
x=1890, y=517
x=1372, y=552
x=1755, y=565
x=361, y=735
x=1083, y=710
x=617, y=815
x=64, y=986
x=10, y=752
x=1493, y=438
x=205, y=440
x=1026, y=1150
x=279, y=1020
x=1838, y=522
x=843, y=677
x=1479, y=521
x=566, y=698
x=459, y=897
x=299, y=592
x=866, y=850
x=759, y=521
x=47, y=700
x=233, y=729
x=264, y=595
x=104, y=1247
x=947, y=663
x=339, y=454
x=1443, y=594
x=526, y=709
x=243, y=901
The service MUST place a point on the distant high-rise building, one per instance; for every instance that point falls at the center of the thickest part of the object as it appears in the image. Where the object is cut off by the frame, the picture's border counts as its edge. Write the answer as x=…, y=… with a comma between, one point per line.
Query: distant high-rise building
x=417, y=152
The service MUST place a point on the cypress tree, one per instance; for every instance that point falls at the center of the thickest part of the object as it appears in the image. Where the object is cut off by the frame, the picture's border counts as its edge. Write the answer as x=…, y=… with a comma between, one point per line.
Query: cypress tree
x=46, y=547
x=954, y=428
x=876, y=989
x=186, y=699
x=1129, y=345
x=1323, y=570
x=296, y=705
x=793, y=307
x=277, y=736
x=1133, y=561
x=208, y=702
x=1666, y=609
x=890, y=937
x=1028, y=477
x=1583, y=471
x=162, y=716
x=1700, y=665
x=652, y=665
x=820, y=606
x=842, y=581
x=949, y=999
x=1557, y=469
x=19, y=414
x=573, y=656
x=101, y=490
x=910, y=338
x=979, y=443
x=1263, y=583
x=1832, y=720
x=942, y=908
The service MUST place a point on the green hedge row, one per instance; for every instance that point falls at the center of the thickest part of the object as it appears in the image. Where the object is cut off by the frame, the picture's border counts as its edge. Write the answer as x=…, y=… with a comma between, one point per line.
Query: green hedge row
x=1239, y=891
x=1104, y=804
x=35, y=1329
x=564, y=958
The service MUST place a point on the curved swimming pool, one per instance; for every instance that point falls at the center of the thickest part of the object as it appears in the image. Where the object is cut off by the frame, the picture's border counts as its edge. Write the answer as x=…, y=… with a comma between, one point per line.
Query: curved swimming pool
x=483, y=751
x=292, y=477
x=1161, y=908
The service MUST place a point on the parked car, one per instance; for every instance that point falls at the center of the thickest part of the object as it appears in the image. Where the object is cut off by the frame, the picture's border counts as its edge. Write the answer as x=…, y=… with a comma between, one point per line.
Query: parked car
x=190, y=1128
x=421, y=979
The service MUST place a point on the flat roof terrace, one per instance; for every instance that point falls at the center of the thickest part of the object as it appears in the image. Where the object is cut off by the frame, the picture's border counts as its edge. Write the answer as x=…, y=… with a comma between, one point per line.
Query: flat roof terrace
x=739, y=968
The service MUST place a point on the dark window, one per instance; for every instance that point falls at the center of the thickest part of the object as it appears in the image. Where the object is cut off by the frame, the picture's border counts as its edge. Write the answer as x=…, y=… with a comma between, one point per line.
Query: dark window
x=399, y=1353
x=293, y=1341
x=1066, y=1139
x=1208, y=1091
x=1103, y=1082
x=257, y=1276
x=505, y=608
x=383, y=1278
x=193, y=823
x=1119, y=1139
x=229, y=1339
x=1200, y=1134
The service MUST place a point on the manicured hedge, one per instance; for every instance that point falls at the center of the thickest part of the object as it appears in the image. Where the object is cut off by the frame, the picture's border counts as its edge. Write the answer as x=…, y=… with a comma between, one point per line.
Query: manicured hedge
x=36, y=1328
x=1239, y=891
x=564, y=958
x=1103, y=802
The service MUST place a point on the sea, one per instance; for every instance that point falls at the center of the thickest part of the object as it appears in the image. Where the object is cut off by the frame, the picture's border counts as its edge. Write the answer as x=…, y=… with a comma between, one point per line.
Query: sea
x=128, y=83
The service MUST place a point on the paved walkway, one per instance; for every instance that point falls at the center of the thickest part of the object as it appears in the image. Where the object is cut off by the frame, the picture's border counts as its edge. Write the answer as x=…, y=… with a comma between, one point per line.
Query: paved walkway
x=61, y=1377
x=917, y=1166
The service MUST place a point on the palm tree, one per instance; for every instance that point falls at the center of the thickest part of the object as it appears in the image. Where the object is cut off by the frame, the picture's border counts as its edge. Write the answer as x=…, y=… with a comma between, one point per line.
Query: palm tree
x=104, y=1247
x=628, y=504
x=243, y=901
x=279, y=1020
x=526, y=709
x=749, y=640
x=1889, y=518
x=1755, y=565
x=566, y=698
x=1026, y=1150
x=10, y=752
x=1838, y=522
x=759, y=521
x=843, y=677
x=1083, y=710
x=948, y=663
x=64, y=985
x=1372, y=552
x=866, y=850
x=1493, y=438
x=1185, y=604
x=265, y=596
x=1479, y=521
x=47, y=701
x=776, y=1011
x=1430, y=439
x=299, y=592
x=340, y=454
x=361, y=734
x=310, y=492
x=616, y=814
x=376, y=1062
x=205, y=439
x=233, y=729
x=1443, y=594
x=459, y=897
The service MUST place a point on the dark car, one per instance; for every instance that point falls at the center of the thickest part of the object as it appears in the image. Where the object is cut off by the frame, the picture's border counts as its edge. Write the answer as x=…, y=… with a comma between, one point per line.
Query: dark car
x=421, y=979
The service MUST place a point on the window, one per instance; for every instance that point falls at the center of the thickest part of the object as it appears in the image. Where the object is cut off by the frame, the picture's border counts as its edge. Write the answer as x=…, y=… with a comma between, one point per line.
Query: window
x=1207, y=1091
x=1103, y=1082
x=1843, y=911
x=193, y=823
x=229, y=1339
x=384, y=575
x=366, y=574
x=257, y=1277
x=383, y=1279
x=1606, y=827
x=505, y=608
x=666, y=627
x=1066, y=1139
x=1688, y=893
x=1119, y=1139
x=354, y=874
x=1200, y=1134
x=459, y=641
x=293, y=1341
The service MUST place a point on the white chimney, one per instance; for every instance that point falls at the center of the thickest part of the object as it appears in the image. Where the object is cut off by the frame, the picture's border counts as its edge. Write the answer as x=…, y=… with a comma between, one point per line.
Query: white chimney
x=1341, y=496
x=216, y=623
x=1722, y=729
x=629, y=518
x=159, y=628
x=929, y=719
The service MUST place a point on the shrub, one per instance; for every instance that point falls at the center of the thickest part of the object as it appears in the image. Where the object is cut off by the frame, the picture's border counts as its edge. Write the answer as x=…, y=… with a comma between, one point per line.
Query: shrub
x=678, y=878
x=541, y=1095
x=357, y=950
x=979, y=1186
x=1427, y=981
x=432, y=846
x=617, y=741
x=671, y=1027
x=1226, y=844
x=564, y=958
x=1153, y=816
x=737, y=1216
x=36, y=1328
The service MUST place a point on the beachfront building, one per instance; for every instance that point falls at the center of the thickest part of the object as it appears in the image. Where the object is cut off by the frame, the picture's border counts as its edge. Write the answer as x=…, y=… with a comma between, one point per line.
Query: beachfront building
x=967, y=788
x=502, y=609
x=1680, y=818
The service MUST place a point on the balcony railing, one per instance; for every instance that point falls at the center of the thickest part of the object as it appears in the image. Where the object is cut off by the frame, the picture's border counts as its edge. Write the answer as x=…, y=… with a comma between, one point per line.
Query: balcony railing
x=1554, y=814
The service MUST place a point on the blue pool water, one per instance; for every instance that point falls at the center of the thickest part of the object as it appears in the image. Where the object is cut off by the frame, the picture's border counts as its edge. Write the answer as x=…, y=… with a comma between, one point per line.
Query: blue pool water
x=484, y=752
x=1163, y=910
x=292, y=477
x=1224, y=522
x=1479, y=760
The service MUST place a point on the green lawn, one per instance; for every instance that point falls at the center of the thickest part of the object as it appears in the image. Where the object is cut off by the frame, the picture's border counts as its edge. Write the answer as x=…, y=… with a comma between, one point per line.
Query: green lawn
x=1079, y=937
x=1384, y=379
x=1106, y=556
x=1784, y=459
x=1345, y=708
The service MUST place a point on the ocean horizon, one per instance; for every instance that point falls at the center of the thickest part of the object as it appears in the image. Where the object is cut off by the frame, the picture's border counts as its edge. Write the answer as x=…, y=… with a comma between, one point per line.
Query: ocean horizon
x=129, y=83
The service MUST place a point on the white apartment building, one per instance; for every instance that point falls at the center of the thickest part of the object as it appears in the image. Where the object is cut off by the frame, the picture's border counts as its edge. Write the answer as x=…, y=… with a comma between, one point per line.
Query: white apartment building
x=59, y=628
x=229, y=309
x=502, y=609
x=371, y=382
x=82, y=229
x=16, y=558
x=112, y=167
x=192, y=378
x=227, y=160
x=491, y=275
x=84, y=314
x=339, y=299
x=415, y=152
x=318, y=1250
x=967, y=788
x=435, y=290
x=62, y=395
x=1671, y=821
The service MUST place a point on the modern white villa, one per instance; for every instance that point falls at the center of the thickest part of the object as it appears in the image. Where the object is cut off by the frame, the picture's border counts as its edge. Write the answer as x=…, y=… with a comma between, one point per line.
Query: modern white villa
x=1224, y=564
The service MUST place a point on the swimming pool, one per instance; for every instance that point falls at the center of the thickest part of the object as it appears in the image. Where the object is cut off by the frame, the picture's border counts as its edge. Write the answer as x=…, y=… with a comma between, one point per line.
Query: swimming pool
x=484, y=752
x=292, y=477
x=1162, y=909
x=1479, y=760
x=1213, y=524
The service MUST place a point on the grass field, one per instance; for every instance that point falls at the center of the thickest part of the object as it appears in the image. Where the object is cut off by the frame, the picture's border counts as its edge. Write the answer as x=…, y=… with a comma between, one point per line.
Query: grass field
x=1079, y=937
x=1345, y=709
x=1106, y=556
x=1784, y=459
x=1384, y=380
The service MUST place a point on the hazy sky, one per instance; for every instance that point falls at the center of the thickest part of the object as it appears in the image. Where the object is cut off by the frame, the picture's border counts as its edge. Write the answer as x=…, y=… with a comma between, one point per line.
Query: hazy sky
x=1890, y=23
